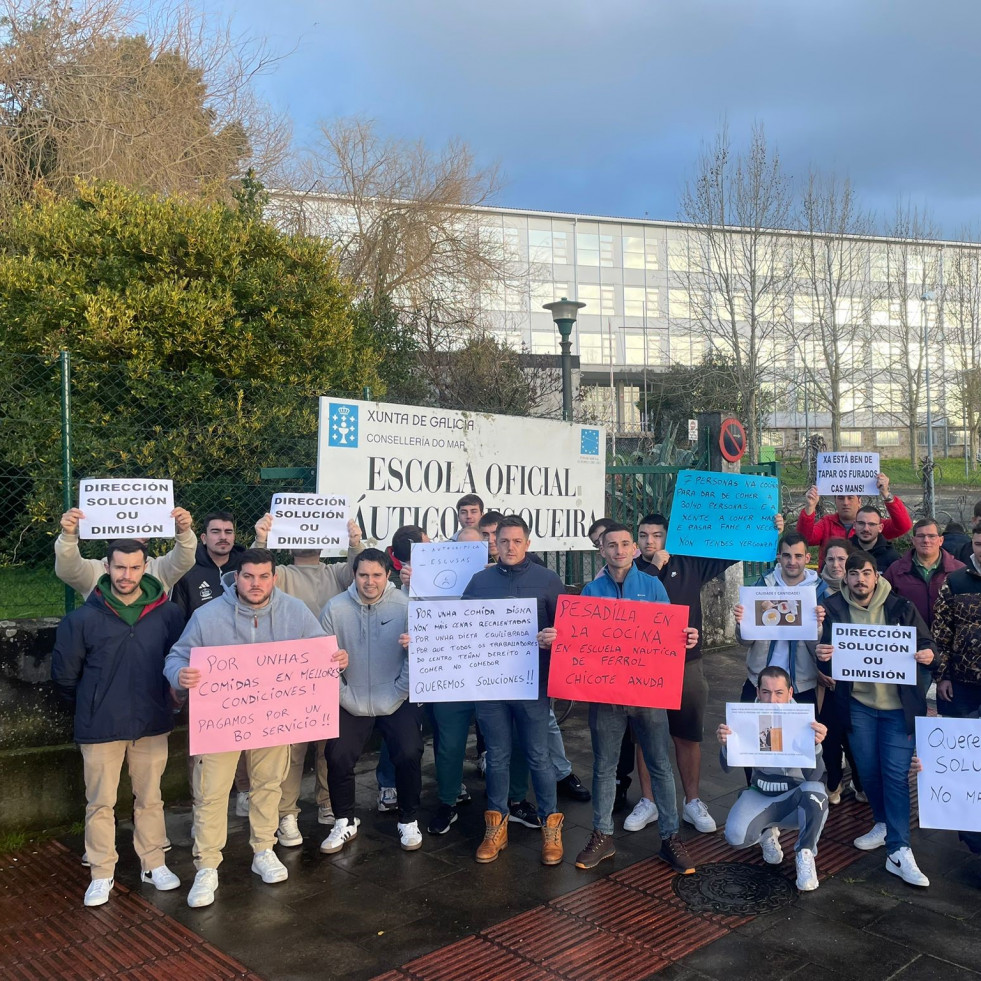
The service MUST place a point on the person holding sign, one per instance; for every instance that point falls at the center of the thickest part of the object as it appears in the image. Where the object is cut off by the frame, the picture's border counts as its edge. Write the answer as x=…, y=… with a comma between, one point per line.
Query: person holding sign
x=107, y=663
x=780, y=797
x=879, y=716
x=957, y=631
x=370, y=620
x=515, y=575
x=817, y=531
x=314, y=582
x=84, y=574
x=250, y=611
x=217, y=554
x=621, y=580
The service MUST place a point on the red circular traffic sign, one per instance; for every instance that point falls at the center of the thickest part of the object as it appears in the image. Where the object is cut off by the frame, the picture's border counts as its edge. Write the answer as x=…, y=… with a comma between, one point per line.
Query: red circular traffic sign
x=732, y=440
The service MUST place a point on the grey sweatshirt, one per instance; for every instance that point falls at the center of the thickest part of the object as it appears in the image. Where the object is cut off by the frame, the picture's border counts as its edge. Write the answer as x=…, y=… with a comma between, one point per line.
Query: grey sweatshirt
x=376, y=680
x=226, y=620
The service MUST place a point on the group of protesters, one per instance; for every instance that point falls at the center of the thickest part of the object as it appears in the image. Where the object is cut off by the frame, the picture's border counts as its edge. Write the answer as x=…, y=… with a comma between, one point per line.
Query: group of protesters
x=123, y=661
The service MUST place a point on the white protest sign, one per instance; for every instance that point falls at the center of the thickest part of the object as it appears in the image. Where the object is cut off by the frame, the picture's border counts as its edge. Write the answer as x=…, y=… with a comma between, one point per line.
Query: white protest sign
x=473, y=650
x=410, y=465
x=778, y=613
x=308, y=521
x=873, y=652
x=442, y=570
x=126, y=507
x=949, y=785
x=847, y=473
x=770, y=734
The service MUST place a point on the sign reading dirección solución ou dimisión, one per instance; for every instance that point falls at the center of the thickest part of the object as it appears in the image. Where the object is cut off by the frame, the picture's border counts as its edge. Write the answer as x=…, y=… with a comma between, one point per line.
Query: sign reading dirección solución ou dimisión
x=404, y=464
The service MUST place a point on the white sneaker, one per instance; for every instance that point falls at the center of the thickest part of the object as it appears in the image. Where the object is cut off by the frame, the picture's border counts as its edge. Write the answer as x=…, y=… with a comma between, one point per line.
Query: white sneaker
x=325, y=814
x=410, y=837
x=643, y=814
x=98, y=891
x=288, y=834
x=860, y=795
x=770, y=843
x=269, y=867
x=344, y=831
x=873, y=839
x=388, y=799
x=807, y=876
x=902, y=863
x=242, y=804
x=696, y=813
x=162, y=878
x=203, y=888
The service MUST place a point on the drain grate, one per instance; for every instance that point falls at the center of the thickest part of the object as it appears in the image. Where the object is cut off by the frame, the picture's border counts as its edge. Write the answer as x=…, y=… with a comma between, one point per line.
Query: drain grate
x=735, y=888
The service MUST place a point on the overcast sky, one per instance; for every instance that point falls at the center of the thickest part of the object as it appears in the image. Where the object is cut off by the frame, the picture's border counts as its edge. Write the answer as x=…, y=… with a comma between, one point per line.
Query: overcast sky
x=602, y=106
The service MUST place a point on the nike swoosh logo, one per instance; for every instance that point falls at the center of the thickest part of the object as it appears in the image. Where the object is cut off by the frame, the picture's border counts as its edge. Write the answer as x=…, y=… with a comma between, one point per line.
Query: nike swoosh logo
x=894, y=862
x=389, y=620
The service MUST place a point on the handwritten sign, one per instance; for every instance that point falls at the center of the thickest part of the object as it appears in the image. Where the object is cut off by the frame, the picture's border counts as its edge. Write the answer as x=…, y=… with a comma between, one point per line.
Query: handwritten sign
x=770, y=734
x=124, y=507
x=949, y=785
x=724, y=516
x=308, y=521
x=847, y=473
x=620, y=652
x=442, y=570
x=255, y=695
x=873, y=652
x=473, y=650
x=778, y=613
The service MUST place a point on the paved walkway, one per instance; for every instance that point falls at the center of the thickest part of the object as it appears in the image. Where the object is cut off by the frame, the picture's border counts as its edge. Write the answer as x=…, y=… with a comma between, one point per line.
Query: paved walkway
x=374, y=911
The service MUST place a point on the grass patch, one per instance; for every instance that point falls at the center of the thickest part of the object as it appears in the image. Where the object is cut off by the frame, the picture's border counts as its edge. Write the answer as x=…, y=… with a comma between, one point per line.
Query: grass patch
x=28, y=592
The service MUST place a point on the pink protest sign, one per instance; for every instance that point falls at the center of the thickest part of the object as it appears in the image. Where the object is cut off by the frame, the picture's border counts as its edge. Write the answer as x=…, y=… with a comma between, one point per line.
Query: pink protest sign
x=255, y=695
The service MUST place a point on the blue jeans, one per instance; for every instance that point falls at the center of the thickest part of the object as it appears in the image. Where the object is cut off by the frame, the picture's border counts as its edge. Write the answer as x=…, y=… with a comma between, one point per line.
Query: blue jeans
x=530, y=722
x=883, y=750
x=556, y=754
x=607, y=724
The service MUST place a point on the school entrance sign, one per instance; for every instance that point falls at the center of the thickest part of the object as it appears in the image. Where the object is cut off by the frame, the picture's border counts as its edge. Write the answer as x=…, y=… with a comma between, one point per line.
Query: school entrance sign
x=404, y=464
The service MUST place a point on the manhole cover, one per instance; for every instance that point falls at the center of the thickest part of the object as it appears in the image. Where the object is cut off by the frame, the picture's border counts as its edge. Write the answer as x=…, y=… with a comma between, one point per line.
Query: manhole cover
x=734, y=887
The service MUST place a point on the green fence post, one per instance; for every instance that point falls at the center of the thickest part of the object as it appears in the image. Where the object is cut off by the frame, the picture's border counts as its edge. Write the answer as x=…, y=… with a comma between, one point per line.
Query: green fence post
x=66, y=450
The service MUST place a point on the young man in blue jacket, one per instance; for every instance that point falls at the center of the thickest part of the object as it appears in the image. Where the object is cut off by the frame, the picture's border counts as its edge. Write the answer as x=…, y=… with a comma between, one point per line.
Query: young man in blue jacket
x=515, y=575
x=108, y=664
x=622, y=580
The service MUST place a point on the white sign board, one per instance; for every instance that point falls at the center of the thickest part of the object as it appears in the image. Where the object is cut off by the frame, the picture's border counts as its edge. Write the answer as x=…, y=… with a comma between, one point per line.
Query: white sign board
x=949, y=785
x=693, y=430
x=410, y=465
x=770, y=735
x=441, y=570
x=126, y=507
x=847, y=473
x=877, y=653
x=778, y=613
x=308, y=521
x=473, y=650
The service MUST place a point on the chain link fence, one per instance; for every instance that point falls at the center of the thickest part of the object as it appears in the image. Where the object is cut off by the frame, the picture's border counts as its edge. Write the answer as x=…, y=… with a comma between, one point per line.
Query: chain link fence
x=61, y=420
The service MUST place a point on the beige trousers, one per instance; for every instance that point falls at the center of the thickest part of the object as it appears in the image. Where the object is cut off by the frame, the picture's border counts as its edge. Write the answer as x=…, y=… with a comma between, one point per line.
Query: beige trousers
x=102, y=763
x=291, y=785
x=214, y=774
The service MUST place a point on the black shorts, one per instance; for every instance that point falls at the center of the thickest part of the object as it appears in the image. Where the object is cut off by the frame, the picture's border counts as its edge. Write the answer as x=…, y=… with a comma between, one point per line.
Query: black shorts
x=686, y=722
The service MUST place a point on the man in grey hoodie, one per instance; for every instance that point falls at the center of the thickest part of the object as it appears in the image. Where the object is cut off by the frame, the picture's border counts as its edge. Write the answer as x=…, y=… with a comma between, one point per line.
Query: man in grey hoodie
x=250, y=611
x=370, y=620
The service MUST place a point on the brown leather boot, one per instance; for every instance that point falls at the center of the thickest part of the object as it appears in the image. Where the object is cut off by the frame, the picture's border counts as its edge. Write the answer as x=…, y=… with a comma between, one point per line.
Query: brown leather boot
x=552, y=840
x=495, y=837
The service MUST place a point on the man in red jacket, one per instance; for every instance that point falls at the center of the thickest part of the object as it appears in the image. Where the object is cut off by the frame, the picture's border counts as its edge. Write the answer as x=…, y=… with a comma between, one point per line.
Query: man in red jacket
x=817, y=531
x=919, y=574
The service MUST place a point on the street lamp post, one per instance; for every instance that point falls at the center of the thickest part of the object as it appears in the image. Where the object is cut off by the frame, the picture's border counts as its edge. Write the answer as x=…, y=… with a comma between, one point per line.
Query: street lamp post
x=930, y=493
x=564, y=313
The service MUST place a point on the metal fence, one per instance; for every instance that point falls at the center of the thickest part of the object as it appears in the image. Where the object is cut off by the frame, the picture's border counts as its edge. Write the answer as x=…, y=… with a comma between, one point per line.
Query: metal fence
x=223, y=441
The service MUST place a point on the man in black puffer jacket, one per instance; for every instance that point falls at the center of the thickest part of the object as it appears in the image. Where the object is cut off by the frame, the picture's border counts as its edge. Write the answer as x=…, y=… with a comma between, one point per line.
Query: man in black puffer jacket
x=108, y=664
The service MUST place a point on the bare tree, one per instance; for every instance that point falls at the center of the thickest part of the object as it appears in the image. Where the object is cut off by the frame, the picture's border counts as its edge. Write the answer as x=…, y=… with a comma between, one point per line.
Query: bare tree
x=159, y=99
x=832, y=295
x=960, y=298
x=738, y=273
x=404, y=217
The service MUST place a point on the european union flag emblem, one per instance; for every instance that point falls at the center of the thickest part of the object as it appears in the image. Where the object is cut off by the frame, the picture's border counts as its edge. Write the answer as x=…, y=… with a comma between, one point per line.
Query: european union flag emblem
x=589, y=442
x=343, y=421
